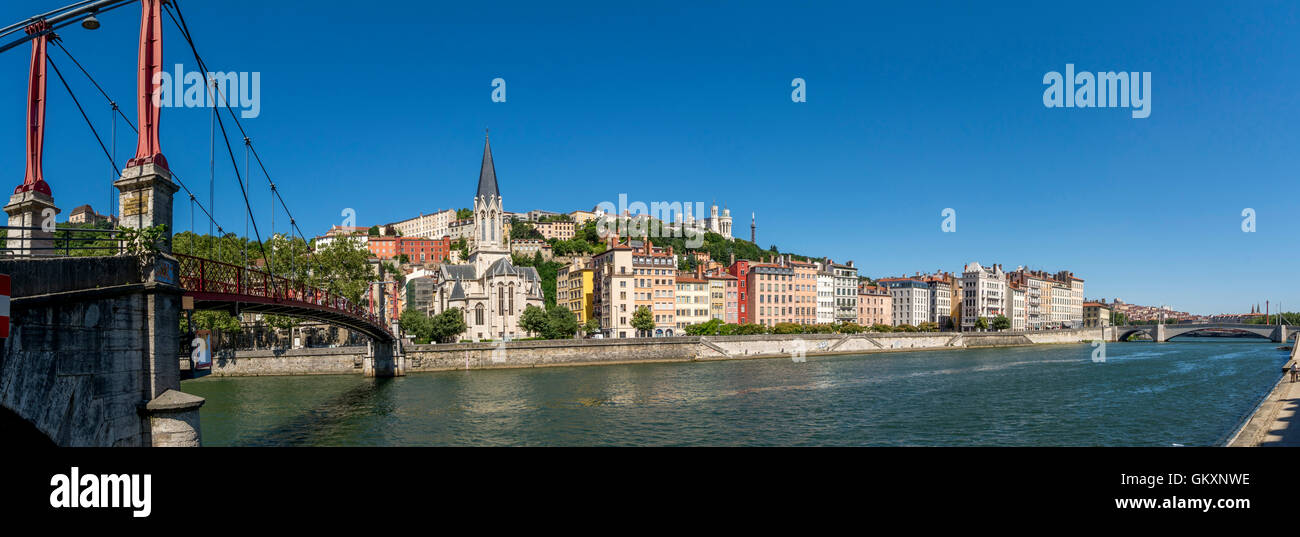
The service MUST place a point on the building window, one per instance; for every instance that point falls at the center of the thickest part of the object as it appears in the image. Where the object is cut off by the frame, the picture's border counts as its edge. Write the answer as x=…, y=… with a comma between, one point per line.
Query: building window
x=478, y=315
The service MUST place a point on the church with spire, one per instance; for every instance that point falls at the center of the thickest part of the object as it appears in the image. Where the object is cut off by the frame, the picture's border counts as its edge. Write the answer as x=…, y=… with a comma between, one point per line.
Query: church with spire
x=488, y=289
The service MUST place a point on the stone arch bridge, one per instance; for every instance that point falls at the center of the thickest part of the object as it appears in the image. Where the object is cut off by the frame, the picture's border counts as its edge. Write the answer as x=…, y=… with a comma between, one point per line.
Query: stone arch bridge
x=1165, y=332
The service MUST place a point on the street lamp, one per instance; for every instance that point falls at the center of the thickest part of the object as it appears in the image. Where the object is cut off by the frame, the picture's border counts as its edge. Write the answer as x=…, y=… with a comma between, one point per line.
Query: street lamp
x=90, y=22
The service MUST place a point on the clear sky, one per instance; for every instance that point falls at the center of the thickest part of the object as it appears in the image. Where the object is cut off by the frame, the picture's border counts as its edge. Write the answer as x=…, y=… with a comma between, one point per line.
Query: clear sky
x=910, y=110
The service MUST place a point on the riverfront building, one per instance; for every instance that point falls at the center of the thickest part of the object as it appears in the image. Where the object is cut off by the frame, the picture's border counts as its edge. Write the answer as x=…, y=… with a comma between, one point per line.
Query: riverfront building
x=740, y=270
x=825, y=295
x=941, y=285
x=1016, y=312
x=693, y=302
x=875, y=306
x=771, y=296
x=1095, y=314
x=575, y=288
x=910, y=299
x=804, y=285
x=846, y=292
x=723, y=297
x=655, y=271
x=613, y=284
x=984, y=291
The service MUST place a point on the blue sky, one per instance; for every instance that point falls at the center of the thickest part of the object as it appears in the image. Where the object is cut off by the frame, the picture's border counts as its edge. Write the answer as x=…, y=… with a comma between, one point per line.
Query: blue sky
x=910, y=110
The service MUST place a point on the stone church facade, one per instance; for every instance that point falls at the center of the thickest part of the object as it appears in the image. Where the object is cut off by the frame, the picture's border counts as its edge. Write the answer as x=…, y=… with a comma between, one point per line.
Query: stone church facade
x=490, y=291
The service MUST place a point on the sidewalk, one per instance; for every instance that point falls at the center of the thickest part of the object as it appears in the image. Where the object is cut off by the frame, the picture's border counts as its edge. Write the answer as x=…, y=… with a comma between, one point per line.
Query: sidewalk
x=1277, y=422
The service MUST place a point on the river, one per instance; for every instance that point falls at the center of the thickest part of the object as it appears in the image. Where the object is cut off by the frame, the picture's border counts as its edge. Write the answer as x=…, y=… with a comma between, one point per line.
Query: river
x=1189, y=392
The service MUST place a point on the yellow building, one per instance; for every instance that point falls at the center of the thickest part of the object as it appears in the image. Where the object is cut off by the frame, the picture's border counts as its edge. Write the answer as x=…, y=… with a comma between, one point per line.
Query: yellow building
x=692, y=296
x=575, y=288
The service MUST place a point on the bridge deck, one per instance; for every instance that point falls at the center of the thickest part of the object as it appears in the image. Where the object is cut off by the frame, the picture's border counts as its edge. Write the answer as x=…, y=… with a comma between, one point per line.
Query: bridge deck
x=217, y=285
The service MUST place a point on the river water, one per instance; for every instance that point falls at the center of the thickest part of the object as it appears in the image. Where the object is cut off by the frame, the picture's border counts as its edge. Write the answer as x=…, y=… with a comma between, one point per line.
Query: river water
x=1192, y=392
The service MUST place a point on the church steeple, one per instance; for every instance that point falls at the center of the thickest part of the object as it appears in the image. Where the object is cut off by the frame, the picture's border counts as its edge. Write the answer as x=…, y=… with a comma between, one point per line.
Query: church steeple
x=487, y=175
x=490, y=242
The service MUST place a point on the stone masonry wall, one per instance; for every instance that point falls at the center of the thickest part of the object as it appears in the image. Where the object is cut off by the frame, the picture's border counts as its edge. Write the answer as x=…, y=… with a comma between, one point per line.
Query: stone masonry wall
x=610, y=351
x=322, y=361
x=77, y=369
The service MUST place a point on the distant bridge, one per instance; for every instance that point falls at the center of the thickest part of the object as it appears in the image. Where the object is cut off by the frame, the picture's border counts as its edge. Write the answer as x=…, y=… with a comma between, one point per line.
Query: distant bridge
x=1165, y=332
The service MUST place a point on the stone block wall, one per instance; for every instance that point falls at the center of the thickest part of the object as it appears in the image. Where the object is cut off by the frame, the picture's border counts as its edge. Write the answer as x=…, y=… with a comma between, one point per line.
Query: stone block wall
x=76, y=369
x=321, y=361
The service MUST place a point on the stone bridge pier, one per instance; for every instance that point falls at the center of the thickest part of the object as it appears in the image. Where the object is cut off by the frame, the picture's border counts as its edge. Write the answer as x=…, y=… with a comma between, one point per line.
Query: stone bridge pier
x=91, y=358
x=384, y=358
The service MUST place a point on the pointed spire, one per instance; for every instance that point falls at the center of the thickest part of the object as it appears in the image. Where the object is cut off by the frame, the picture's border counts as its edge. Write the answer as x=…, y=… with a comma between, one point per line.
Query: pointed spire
x=487, y=175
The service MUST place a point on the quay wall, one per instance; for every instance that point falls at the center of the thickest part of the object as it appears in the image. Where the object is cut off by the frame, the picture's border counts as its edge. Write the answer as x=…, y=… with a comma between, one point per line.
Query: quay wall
x=322, y=361
x=445, y=357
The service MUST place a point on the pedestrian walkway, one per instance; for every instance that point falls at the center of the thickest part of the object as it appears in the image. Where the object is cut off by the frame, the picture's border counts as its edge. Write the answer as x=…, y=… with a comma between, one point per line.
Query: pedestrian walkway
x=1277, y=422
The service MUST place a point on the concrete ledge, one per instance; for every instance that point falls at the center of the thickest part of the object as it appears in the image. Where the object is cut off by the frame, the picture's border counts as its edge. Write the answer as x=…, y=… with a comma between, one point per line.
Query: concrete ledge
x=174, y=401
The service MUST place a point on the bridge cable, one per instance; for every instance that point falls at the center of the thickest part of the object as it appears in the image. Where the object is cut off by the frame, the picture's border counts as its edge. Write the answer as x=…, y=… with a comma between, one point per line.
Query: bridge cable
x=229, y=150
x=179, y=20
x=129, y=123
x=83, y=114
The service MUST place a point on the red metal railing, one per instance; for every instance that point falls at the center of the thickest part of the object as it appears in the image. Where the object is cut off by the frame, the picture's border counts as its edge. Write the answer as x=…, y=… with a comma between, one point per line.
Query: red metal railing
x=201, y=275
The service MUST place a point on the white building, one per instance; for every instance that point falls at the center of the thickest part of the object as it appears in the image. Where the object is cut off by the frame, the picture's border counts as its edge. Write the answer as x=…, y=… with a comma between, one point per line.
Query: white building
x=846, y=292
x=910, y=300
x=984, y=291
x=825, y=295
x=1016, y=312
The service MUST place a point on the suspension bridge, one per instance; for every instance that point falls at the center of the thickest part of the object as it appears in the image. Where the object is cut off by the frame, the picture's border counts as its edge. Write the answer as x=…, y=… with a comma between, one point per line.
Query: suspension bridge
x=92, y=355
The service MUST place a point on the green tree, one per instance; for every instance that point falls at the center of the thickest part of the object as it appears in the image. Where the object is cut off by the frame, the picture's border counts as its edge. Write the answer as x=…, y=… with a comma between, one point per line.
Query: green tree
x=560, y=323
x=850, y=328
x=592, y=326
x=1001, y=322
x=342, y=268
x=787, y=328
x=280, y=322
x=534, y=320
x=643, y=320
x=524, y=230
x=417, y=324
x=86, y=244
x=707, y=328
x=214, y=320
x=981, y=324
x=881, y=328
x=373, y=231
x=447, y=326
x=464, y=214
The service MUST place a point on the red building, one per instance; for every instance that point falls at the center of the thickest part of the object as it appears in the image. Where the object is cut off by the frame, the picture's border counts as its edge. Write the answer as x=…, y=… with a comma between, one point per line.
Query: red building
x=418, y=250
x=740, y=269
